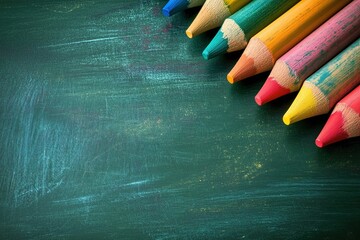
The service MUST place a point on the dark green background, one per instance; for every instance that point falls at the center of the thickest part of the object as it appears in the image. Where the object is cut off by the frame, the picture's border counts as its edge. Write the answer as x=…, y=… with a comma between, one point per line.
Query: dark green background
x=112, y=126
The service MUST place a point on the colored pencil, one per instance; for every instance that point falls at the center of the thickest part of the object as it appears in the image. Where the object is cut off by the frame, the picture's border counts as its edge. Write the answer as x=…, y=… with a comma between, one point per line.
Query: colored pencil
x=281, y=35
x=212, y=15
x=291, y=69
x=344, y=121
x=237, y=30
x=175, y=6
x=322, y=90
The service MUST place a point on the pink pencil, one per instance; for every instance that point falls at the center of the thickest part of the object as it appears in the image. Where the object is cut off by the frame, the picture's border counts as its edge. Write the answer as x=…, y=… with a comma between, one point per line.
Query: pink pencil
x=310, y=54
x=344, y=121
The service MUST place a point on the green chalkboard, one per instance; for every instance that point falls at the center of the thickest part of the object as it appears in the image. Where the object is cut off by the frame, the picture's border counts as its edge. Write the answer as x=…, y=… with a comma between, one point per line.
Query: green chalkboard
x=112, y=126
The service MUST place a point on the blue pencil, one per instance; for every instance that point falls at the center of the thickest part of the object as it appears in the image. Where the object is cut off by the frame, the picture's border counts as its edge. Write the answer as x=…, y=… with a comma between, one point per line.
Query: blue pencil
x=175, y=6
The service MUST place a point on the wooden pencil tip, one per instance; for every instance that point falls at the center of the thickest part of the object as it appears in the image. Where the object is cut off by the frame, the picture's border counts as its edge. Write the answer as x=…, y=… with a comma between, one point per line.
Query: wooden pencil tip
x=333, y=131
x=271, y=90
x=304, y=106
x=244, y=68
x=217, y=46
x=189, y=34
x=255, y=59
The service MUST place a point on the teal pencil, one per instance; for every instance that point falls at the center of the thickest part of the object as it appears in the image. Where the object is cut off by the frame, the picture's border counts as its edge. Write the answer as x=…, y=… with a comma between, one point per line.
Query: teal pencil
x=175, y=6
x=237, y=30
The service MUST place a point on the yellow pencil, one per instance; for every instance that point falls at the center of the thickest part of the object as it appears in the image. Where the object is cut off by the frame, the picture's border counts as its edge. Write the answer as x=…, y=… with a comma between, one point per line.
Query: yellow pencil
x=281, y=35
x=212, y=15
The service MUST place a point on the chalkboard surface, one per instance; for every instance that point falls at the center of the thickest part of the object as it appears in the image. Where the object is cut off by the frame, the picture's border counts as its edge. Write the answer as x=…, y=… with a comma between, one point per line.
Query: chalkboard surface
x=112, y=126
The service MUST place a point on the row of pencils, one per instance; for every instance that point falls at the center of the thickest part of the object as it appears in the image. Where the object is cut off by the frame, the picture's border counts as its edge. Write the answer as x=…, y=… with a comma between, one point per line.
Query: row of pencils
x=310, y=46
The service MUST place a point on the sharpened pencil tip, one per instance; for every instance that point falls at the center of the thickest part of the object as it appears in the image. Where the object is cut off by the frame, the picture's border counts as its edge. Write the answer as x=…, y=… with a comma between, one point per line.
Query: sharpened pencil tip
x=333, y=131
x=243, y=69
x=217, y=46
x=271, y=90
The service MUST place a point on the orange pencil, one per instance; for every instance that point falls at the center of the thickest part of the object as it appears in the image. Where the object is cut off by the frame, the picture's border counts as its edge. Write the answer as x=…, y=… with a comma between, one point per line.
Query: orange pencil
x=344, y=121
x=281, y=35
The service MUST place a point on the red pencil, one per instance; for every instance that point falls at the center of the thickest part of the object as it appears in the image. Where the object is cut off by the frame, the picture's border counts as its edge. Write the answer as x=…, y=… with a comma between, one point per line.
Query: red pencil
x=344, y=121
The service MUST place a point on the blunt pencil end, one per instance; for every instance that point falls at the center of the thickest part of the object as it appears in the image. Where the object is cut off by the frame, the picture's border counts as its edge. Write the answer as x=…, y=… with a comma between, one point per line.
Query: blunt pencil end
x=287, y=119
x=259, y=101
x=230, y=78
x=174, y=6
x=206, y=55
x=189, y=33
x=166, y=12
x=319, y=143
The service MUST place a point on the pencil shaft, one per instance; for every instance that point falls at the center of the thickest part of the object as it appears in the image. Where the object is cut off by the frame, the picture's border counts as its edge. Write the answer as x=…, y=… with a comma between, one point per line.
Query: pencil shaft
x=323, y=44
x=291, y=69
x=235, y=5
x=338, y=76
x=281, y=35
x=298, y=22
x=258, y=14
x=236, y=30
x=322, y=90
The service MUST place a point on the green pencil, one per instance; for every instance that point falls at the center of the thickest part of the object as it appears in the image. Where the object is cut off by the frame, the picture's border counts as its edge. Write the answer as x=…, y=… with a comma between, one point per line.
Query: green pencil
x=237, y=30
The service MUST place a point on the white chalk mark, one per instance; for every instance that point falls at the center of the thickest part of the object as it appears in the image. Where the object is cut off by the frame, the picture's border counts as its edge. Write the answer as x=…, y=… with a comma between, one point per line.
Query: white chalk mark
x=79, y=42
x=106, y=107
x=136, y=183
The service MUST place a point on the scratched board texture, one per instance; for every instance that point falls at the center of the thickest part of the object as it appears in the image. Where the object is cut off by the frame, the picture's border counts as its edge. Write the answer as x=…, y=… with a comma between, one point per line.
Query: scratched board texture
x=112, y=126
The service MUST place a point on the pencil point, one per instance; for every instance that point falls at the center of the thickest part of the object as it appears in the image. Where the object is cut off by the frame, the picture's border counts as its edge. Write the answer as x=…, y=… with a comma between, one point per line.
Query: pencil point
x=244, y=68
x=304, y=106
x=217, y=46
x=189, y=34
x=270, y=91
x=332, y=131
x=211, y=15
